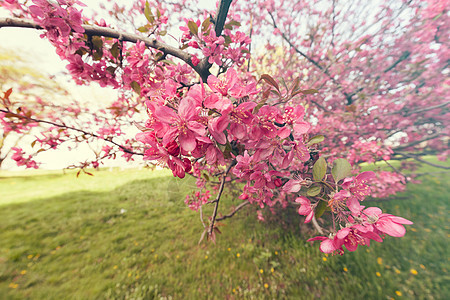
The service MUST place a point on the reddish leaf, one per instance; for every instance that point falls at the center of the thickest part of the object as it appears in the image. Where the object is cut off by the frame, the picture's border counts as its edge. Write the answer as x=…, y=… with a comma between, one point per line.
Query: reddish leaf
x=267, y=78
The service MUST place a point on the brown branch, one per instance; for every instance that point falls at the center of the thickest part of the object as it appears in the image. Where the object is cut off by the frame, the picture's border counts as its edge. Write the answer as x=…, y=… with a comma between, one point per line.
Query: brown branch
x=216, y=205
x=417, y=142
x=19, y=116
x=221, y=15
x=404, y=56
x=202, y=68
x=237, y=208
x=416, y=157
x=427, y=109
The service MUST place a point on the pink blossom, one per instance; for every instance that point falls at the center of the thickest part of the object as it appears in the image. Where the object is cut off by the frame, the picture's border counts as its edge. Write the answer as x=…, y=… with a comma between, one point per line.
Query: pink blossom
x=305, y=208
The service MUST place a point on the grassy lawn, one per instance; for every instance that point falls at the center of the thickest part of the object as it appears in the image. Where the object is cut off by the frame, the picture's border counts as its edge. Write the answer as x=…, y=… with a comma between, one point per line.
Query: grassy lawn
x=129, y=235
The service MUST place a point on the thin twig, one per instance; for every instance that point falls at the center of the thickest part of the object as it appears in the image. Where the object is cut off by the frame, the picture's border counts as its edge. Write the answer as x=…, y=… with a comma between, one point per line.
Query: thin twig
x=237, y=208
x=316, y=225
x=216, y=206
x=126, y=150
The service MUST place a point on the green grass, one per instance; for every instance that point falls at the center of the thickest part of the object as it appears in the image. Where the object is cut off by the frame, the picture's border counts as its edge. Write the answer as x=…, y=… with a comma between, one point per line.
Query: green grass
x=129, y=235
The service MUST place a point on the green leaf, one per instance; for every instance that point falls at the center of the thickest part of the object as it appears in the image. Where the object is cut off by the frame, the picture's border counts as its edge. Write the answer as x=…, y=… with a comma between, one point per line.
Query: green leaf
x=234, y=23
x=115, y=50
x=205, y=25
x=309, y=92
x=227, y=151
x=136, y=87
x=111, y=70
x=314, y=190
x=143, y=29
x=193, y=28
x=320, y=209
x=267, y=78
x=259, y=105
x=169, y=62
x=162, y=32
x=148, y=13
x=319, y=169
x=341, y=169
x=97, y=42
x=316, y=139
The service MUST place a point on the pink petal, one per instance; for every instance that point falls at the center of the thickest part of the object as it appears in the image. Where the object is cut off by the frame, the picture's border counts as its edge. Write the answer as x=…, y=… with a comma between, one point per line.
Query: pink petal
x=327, y=246
x=390, y=228
x=187, y=142
x=166, y=115
x=309, y=217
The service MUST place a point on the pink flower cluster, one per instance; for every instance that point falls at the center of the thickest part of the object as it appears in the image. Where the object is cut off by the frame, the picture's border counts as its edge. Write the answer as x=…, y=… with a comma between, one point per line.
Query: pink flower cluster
x=362, y=227
x=359, y=224
x=232, y=46
x=19, y=157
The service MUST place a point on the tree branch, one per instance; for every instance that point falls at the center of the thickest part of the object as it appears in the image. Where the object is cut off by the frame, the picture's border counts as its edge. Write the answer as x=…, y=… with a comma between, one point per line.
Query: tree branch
x=216, y=205
x=417, y=142
x=221, y=15
x=408, y=113
x=416, y=157
x=202, y=69
x=235, y=210
x=349, y=97
x=19, y=116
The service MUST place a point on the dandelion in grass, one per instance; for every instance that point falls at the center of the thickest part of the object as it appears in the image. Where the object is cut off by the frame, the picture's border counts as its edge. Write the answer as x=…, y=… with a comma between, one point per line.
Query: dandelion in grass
x=397, y=271
x=324, y=258
x=378, y=274
x=266, y=285
x=345, y=269
x=261, y=271
x=238, y=255
x=276, y=252
x=413, y=229
x=129, y=274
x=398, y=293
x=30, y=256
x=272, y=270
x=229, y=249
x=234, y=291
x=206, y=256
x=115, y=267
x=414, y=271
x=422, y=267
x=379, y=261
x=23, y=272
x=13, y=285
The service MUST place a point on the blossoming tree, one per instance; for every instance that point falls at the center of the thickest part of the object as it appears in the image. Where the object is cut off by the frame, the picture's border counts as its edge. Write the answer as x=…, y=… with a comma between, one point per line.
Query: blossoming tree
x=339, y=93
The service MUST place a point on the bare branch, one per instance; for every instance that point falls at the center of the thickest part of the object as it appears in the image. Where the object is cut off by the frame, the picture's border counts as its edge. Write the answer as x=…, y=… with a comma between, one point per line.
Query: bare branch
x=431, y=137
x=221, y=15
x=19, y=116
x=235, y=210
x=417, y=157
x=216, y=205
x=408, y=113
